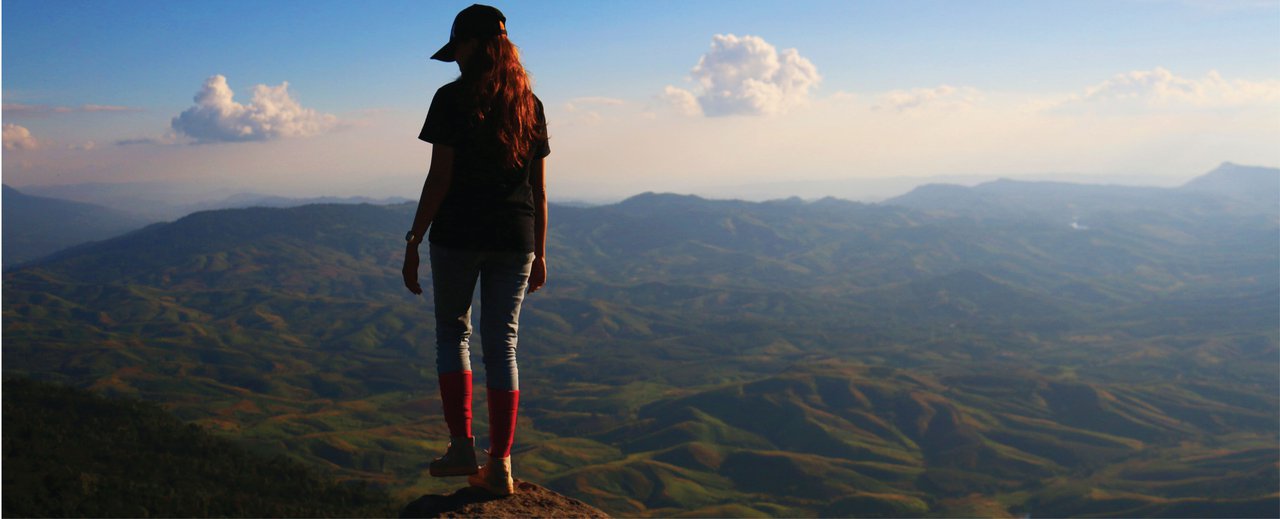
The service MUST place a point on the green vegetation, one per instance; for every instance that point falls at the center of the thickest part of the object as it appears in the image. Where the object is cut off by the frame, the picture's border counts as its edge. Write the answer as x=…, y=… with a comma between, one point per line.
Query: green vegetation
x=705, y=357
x=68, y=452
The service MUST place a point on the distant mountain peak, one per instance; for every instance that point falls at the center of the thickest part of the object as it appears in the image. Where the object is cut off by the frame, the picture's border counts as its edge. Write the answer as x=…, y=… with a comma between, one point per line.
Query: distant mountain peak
x=650, y=197
x=1244, y=169
x=1251, y=189
x=1248, y=182
x=35, y=226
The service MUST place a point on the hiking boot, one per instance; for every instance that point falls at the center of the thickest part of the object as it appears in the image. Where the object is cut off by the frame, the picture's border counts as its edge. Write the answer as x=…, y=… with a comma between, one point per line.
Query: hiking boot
x=494, y=477
x=459, y=460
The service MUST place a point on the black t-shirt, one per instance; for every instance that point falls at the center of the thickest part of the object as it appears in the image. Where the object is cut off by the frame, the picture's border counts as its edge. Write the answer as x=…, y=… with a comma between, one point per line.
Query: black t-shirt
x=489, y=206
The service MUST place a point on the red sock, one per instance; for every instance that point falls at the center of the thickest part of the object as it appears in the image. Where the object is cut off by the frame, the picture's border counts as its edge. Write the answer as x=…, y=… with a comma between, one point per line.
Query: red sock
x=502, y=421
x=455, y=395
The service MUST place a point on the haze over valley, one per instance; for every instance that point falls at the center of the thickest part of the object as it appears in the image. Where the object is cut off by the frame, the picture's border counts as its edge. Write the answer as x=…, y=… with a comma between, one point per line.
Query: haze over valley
x=1007, y=348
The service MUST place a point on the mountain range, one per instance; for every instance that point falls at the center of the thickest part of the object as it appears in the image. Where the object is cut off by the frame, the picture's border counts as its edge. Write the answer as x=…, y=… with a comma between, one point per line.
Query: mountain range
x=167, y=201
x=1230, y=188
x=36, y=226
x=1009, y=348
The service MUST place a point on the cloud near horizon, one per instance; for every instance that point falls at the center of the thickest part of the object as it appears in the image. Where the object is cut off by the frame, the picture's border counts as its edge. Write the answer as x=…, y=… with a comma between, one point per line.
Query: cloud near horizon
x=1160, y=88
x=745, y=76
x=944, y=97
x=271, y=114
x=21, y=110
x=18, y=138
x=944, y=128
x=590, y=110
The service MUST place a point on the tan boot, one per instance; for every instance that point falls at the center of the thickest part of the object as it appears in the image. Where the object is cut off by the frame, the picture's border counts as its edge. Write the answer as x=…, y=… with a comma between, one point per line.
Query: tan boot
x=459, y=460
x=495, y=477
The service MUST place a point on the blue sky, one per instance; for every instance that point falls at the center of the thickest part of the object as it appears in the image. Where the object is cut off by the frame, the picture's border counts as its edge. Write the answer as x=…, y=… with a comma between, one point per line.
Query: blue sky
x=1164, y=89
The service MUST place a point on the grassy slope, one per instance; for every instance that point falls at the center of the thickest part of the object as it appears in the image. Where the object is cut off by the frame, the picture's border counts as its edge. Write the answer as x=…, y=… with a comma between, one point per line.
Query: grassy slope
x=674, y=356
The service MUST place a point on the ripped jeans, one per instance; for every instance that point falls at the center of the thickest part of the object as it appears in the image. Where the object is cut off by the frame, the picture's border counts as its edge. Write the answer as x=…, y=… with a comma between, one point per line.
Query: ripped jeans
x=504, y=278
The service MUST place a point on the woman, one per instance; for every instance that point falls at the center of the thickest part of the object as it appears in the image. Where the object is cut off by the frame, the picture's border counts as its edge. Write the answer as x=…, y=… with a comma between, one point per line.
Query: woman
x=486, y=205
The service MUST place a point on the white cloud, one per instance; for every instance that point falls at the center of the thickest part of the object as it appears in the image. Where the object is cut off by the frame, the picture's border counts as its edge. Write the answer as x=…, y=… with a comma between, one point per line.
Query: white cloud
x=108, y=108
x=272, y=114
x=168, y=138
x=1160, y=88
x=26, y=110
x=746, y=76
x=945, y=97
x=18, y=138
x=682, y=100
x=924, y=130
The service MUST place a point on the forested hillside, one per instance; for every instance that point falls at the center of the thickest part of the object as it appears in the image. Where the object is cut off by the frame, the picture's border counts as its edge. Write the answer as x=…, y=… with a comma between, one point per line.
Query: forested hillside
x=68, y=452
x=950, y=355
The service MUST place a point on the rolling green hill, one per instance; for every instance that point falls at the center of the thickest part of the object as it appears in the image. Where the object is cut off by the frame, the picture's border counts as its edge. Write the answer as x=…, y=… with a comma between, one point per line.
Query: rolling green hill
x=68, y=452
x=706, y=357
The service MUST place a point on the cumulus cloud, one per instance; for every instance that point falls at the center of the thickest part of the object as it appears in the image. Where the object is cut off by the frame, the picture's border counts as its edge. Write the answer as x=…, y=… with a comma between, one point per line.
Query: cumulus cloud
x=18, y=138
x=682, y=100
x=271, y=114
x=1160, y=88
x=20, y=109
x=944, y=97
x=746, y=76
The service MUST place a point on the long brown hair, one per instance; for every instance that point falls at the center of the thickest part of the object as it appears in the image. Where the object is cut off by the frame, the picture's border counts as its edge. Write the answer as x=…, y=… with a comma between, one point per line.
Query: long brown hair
x=501, y=98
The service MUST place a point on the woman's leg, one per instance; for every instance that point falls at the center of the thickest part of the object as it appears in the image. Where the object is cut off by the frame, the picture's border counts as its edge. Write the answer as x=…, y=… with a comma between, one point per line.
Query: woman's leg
x=453, y=280
x=503, y=282
x=504, y=279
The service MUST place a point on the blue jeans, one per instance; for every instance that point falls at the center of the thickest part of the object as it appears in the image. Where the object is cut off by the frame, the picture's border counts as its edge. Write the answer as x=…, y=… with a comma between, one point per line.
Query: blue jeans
x=504, y=278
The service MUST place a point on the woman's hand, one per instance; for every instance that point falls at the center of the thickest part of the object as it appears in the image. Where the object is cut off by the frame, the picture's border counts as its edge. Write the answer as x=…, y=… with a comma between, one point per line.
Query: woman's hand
x=538, y=275
x=410, y=270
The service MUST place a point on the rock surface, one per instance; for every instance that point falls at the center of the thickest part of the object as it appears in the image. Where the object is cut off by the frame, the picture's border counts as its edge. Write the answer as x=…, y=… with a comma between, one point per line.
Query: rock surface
x=530, y=500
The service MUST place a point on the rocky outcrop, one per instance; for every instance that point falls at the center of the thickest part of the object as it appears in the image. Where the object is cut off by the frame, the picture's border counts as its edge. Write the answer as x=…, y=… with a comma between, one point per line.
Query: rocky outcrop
x=529, y=500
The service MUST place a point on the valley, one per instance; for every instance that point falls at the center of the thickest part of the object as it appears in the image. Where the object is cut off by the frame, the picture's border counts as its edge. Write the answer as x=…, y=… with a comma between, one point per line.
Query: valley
x=1007, y=349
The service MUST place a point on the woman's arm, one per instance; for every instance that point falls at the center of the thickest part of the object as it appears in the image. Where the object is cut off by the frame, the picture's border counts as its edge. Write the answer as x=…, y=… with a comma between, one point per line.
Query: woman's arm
x=433, y=190
x=538, y=180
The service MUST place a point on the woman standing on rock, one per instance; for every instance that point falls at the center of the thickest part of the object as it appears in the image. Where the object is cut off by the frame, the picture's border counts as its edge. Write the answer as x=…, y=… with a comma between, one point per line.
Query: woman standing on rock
x=486, y=205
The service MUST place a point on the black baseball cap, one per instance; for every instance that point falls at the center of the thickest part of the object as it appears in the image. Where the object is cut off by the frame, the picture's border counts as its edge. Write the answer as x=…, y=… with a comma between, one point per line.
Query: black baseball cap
x=477, y=21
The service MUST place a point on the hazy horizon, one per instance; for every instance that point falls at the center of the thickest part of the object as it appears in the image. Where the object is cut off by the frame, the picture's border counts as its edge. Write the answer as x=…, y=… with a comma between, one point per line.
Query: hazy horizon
x=865, y=189
x=706, y=98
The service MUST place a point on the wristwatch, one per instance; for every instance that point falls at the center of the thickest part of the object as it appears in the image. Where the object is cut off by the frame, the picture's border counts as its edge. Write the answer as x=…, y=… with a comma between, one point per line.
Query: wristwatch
x=411, y=239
